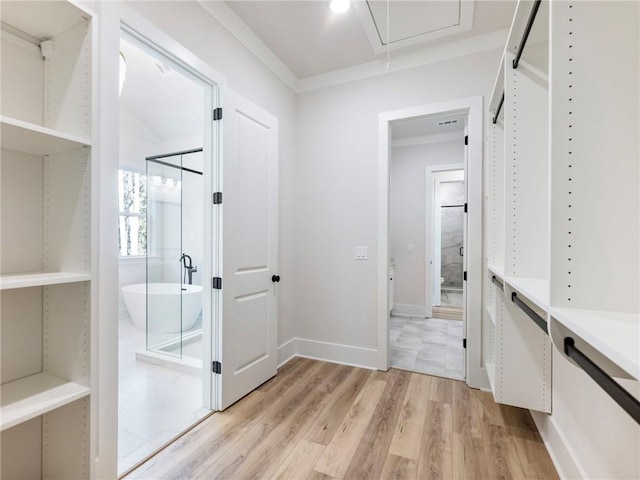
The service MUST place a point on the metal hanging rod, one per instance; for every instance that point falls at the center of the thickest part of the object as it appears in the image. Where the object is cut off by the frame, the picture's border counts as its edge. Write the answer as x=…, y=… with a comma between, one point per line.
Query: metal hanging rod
x=623, y=398
x=539, y=321
x=156, y=159
x=451, y=206
x=495, y=117
x=527, y=31
x=497, y=282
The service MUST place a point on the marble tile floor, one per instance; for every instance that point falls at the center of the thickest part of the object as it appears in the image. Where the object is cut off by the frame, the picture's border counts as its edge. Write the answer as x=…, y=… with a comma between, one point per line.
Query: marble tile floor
x=155, y=403
x=451, y=297
x=427, y=345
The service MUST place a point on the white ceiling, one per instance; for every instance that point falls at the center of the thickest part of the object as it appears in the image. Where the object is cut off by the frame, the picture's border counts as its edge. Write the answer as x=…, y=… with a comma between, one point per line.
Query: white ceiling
x=171, y=106
x=311, y=40
x=411, y=19
x=426, y=126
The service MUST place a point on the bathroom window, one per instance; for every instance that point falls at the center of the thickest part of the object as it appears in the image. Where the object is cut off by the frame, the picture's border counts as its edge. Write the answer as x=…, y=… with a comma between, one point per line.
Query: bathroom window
x=132, y=231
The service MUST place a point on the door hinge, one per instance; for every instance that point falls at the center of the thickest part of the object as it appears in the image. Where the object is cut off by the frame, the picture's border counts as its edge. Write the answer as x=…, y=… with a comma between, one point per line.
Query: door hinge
x=216, y=283
x=466, y=139
x=464, y=343
x=217, y=198
x=216, y=367
x=464, y=276
x=217, y=114
x=465, y=208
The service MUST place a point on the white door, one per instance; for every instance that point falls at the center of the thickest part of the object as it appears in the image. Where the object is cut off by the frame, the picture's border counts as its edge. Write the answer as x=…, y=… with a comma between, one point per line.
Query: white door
x=250, y=248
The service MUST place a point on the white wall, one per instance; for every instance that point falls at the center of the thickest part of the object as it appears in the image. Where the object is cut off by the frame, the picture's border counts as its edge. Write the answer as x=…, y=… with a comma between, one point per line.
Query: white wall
x=337, y=191
x=407, y=212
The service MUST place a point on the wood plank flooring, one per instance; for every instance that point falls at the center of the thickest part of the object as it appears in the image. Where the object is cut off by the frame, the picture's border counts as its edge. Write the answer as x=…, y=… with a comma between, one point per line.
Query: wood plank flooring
x=448, y=312
x=317, y=420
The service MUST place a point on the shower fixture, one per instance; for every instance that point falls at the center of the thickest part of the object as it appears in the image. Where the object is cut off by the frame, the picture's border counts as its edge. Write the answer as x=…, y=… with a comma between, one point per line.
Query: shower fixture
x=189, y=269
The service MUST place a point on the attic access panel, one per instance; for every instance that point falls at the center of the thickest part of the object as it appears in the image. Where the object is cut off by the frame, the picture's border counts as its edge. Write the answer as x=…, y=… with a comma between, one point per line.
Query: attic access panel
x=413, y=22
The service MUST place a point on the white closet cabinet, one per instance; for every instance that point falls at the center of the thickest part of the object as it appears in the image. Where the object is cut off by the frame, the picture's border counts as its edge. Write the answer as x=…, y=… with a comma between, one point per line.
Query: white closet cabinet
x=562, y=205
x=46, y=232
x=517, y=351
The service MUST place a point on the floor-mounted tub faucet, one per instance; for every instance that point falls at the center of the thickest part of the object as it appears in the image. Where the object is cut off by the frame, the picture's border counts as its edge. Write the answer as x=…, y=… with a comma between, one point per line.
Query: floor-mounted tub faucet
x=189, y=268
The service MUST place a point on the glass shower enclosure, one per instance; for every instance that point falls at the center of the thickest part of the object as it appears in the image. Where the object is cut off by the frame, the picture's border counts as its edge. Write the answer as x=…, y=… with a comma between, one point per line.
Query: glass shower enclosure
x=174, y=252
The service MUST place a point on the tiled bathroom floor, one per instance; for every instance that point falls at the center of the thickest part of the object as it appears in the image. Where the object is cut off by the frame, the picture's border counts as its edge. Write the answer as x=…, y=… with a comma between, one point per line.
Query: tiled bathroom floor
x=427, y=345
x=154, y=403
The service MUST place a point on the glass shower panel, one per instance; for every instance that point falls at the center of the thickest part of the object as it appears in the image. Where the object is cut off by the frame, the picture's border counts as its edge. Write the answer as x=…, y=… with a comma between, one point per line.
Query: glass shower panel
x=164, y=255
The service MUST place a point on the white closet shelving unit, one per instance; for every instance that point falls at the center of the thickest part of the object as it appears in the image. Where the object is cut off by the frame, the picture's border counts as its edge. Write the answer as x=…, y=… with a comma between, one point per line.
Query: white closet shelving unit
x=595, y=168
x=517, y=352
x=46, y=277
x=562, y=203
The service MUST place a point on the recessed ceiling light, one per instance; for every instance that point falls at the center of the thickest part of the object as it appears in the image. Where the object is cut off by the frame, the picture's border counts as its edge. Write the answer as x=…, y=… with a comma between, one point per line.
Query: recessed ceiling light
x=339, y=6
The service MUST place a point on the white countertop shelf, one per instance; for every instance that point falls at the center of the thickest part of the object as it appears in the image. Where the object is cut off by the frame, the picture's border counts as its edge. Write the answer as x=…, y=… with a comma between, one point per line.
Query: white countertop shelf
x=616, y=335
x=534, y=289
x=39, y=279
x=497, y=270
x=30, y=397
x=35, y=139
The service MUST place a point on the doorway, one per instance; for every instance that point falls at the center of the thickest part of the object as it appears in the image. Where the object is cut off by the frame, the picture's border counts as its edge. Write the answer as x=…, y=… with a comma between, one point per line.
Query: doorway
x=165, y=245
x=448, y=240
x=470, y=109
x=427, y=187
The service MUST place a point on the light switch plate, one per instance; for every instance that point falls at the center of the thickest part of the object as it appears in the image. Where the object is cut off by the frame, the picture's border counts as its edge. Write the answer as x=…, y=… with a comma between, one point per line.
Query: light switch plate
x=410, y=248
x=361, y=253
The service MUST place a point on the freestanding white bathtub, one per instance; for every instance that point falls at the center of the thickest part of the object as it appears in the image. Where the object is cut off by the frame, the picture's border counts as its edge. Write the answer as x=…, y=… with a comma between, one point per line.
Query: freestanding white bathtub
x=164, y=305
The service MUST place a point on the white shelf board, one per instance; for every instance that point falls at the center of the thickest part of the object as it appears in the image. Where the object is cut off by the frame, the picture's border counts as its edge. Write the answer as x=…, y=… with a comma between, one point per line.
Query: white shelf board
x=35, y=139
x=30, y=397
x=39, y=279
x=535, y=289
x=498, y=88
x=616, y=335
x=497, y=270
x=42, y=19
x=540, y=30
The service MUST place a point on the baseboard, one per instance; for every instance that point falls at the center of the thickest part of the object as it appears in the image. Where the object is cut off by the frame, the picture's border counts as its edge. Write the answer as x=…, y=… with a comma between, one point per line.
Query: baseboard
x=328, y=352
x=561, y=453
x=411, y=310
x=287, y=351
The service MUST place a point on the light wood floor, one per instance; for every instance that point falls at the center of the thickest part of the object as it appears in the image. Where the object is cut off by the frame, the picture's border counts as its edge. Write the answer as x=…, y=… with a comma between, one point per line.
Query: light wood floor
x=317, y=420
x=448, y=312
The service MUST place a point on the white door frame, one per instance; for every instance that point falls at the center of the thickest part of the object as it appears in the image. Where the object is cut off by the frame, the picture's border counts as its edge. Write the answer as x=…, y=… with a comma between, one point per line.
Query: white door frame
x=434, y=257
x=210, y=160
x=113, y=18
x=472, y=106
